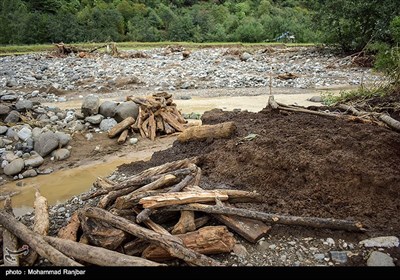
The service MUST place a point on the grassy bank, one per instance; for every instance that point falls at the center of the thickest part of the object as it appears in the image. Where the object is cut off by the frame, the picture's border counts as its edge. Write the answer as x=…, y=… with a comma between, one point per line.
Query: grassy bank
x=25, y=49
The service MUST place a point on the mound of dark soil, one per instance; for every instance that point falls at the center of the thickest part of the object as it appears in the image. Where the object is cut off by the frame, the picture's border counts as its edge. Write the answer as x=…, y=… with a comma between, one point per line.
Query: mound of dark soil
x=303, y=164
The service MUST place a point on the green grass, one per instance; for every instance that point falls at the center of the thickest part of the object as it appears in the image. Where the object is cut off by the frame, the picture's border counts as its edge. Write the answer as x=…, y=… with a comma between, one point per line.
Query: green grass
x=357, y=95
x=25, y=49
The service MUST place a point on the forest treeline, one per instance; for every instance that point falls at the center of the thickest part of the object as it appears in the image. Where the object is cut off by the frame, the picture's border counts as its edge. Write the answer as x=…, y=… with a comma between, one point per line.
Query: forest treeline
x=349, y=23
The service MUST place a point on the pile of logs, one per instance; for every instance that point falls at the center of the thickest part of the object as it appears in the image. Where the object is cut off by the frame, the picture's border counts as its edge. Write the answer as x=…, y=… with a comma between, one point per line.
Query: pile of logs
x=158, y=115
x=157, y=215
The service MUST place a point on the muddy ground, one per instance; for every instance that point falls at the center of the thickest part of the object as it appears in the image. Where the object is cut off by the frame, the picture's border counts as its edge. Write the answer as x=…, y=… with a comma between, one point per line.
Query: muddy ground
x=303, y=165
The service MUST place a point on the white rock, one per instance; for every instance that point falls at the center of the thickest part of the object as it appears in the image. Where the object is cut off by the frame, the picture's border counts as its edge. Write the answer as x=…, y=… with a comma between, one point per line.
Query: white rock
x=381, y=241
x=379, y=259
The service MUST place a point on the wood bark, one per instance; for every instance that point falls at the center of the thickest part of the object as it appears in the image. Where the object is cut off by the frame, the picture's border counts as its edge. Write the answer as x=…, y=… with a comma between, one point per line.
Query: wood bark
x=101, y=234
x=41, y=223
x=113, y=195
x=185, y=224
x=207, y=240
x=389, y=121
x=177, y=198
x=103, y=183
x=119, y=127
x=70, y=231
x=251, y=230
x=171, y=243
x=145, y=214
x=135, y=247
x=10, y=241
x=152, y=127
x=157, y=170
x=35, y=241
x=126, y=201
x=123, y=136
x=152, y=225
x=272, y=218
x=96, y=255
x=392, y=123
x=272, y=103
x=199, y=133
x=172, y=121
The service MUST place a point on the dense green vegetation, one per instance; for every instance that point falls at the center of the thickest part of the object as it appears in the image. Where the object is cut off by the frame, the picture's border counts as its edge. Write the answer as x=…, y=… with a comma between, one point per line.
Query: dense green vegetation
x=41, y=21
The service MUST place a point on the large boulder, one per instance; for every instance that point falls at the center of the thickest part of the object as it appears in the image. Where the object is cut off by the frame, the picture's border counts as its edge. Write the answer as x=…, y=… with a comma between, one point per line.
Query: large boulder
x=126, y=109
x=377, y=258
x=14, y=167
x=46, y=143
x=107, y=109
x=90, y=105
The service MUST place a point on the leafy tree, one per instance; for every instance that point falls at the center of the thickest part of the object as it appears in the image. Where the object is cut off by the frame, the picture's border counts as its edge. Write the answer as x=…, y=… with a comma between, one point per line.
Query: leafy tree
x=13, y=16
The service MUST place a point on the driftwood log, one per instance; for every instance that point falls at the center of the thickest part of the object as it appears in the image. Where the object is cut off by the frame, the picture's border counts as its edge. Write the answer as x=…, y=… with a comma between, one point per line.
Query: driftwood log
x=70, y=231
x=96, y=255
x=10, y=241
x=145, y=214
x=120, y=127
x=272, y=218
x=35, y=241
x=102, y=234
x=199, y=133
x=389, y=121
x=207, y=240
x=41, y=223
x=250, y=229
x=177, y=198
x=172, y=244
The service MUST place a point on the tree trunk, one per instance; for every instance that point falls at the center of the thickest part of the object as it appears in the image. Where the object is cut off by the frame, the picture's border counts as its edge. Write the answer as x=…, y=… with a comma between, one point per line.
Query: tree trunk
x=10, y=241
x=272, y=218
x=199, y=133
x=125, y=201
x=176, y=198
x=123, y=136
x=41, y=223
x=35, y=241
x=119, y=127
x=207, y=240
x=145, y=214
x=96, y=255
x=171, y=243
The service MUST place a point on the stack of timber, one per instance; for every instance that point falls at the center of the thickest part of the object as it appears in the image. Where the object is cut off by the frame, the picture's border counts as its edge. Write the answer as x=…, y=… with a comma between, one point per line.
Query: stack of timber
x=158, y=115
x=148, y=219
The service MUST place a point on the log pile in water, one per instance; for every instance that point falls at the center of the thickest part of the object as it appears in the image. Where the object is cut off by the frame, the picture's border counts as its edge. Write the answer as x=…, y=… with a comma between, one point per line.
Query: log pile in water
x=152, y=217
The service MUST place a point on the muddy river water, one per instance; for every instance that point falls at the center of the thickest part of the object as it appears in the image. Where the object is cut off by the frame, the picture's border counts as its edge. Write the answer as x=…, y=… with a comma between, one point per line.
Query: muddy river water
x=61, y=185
